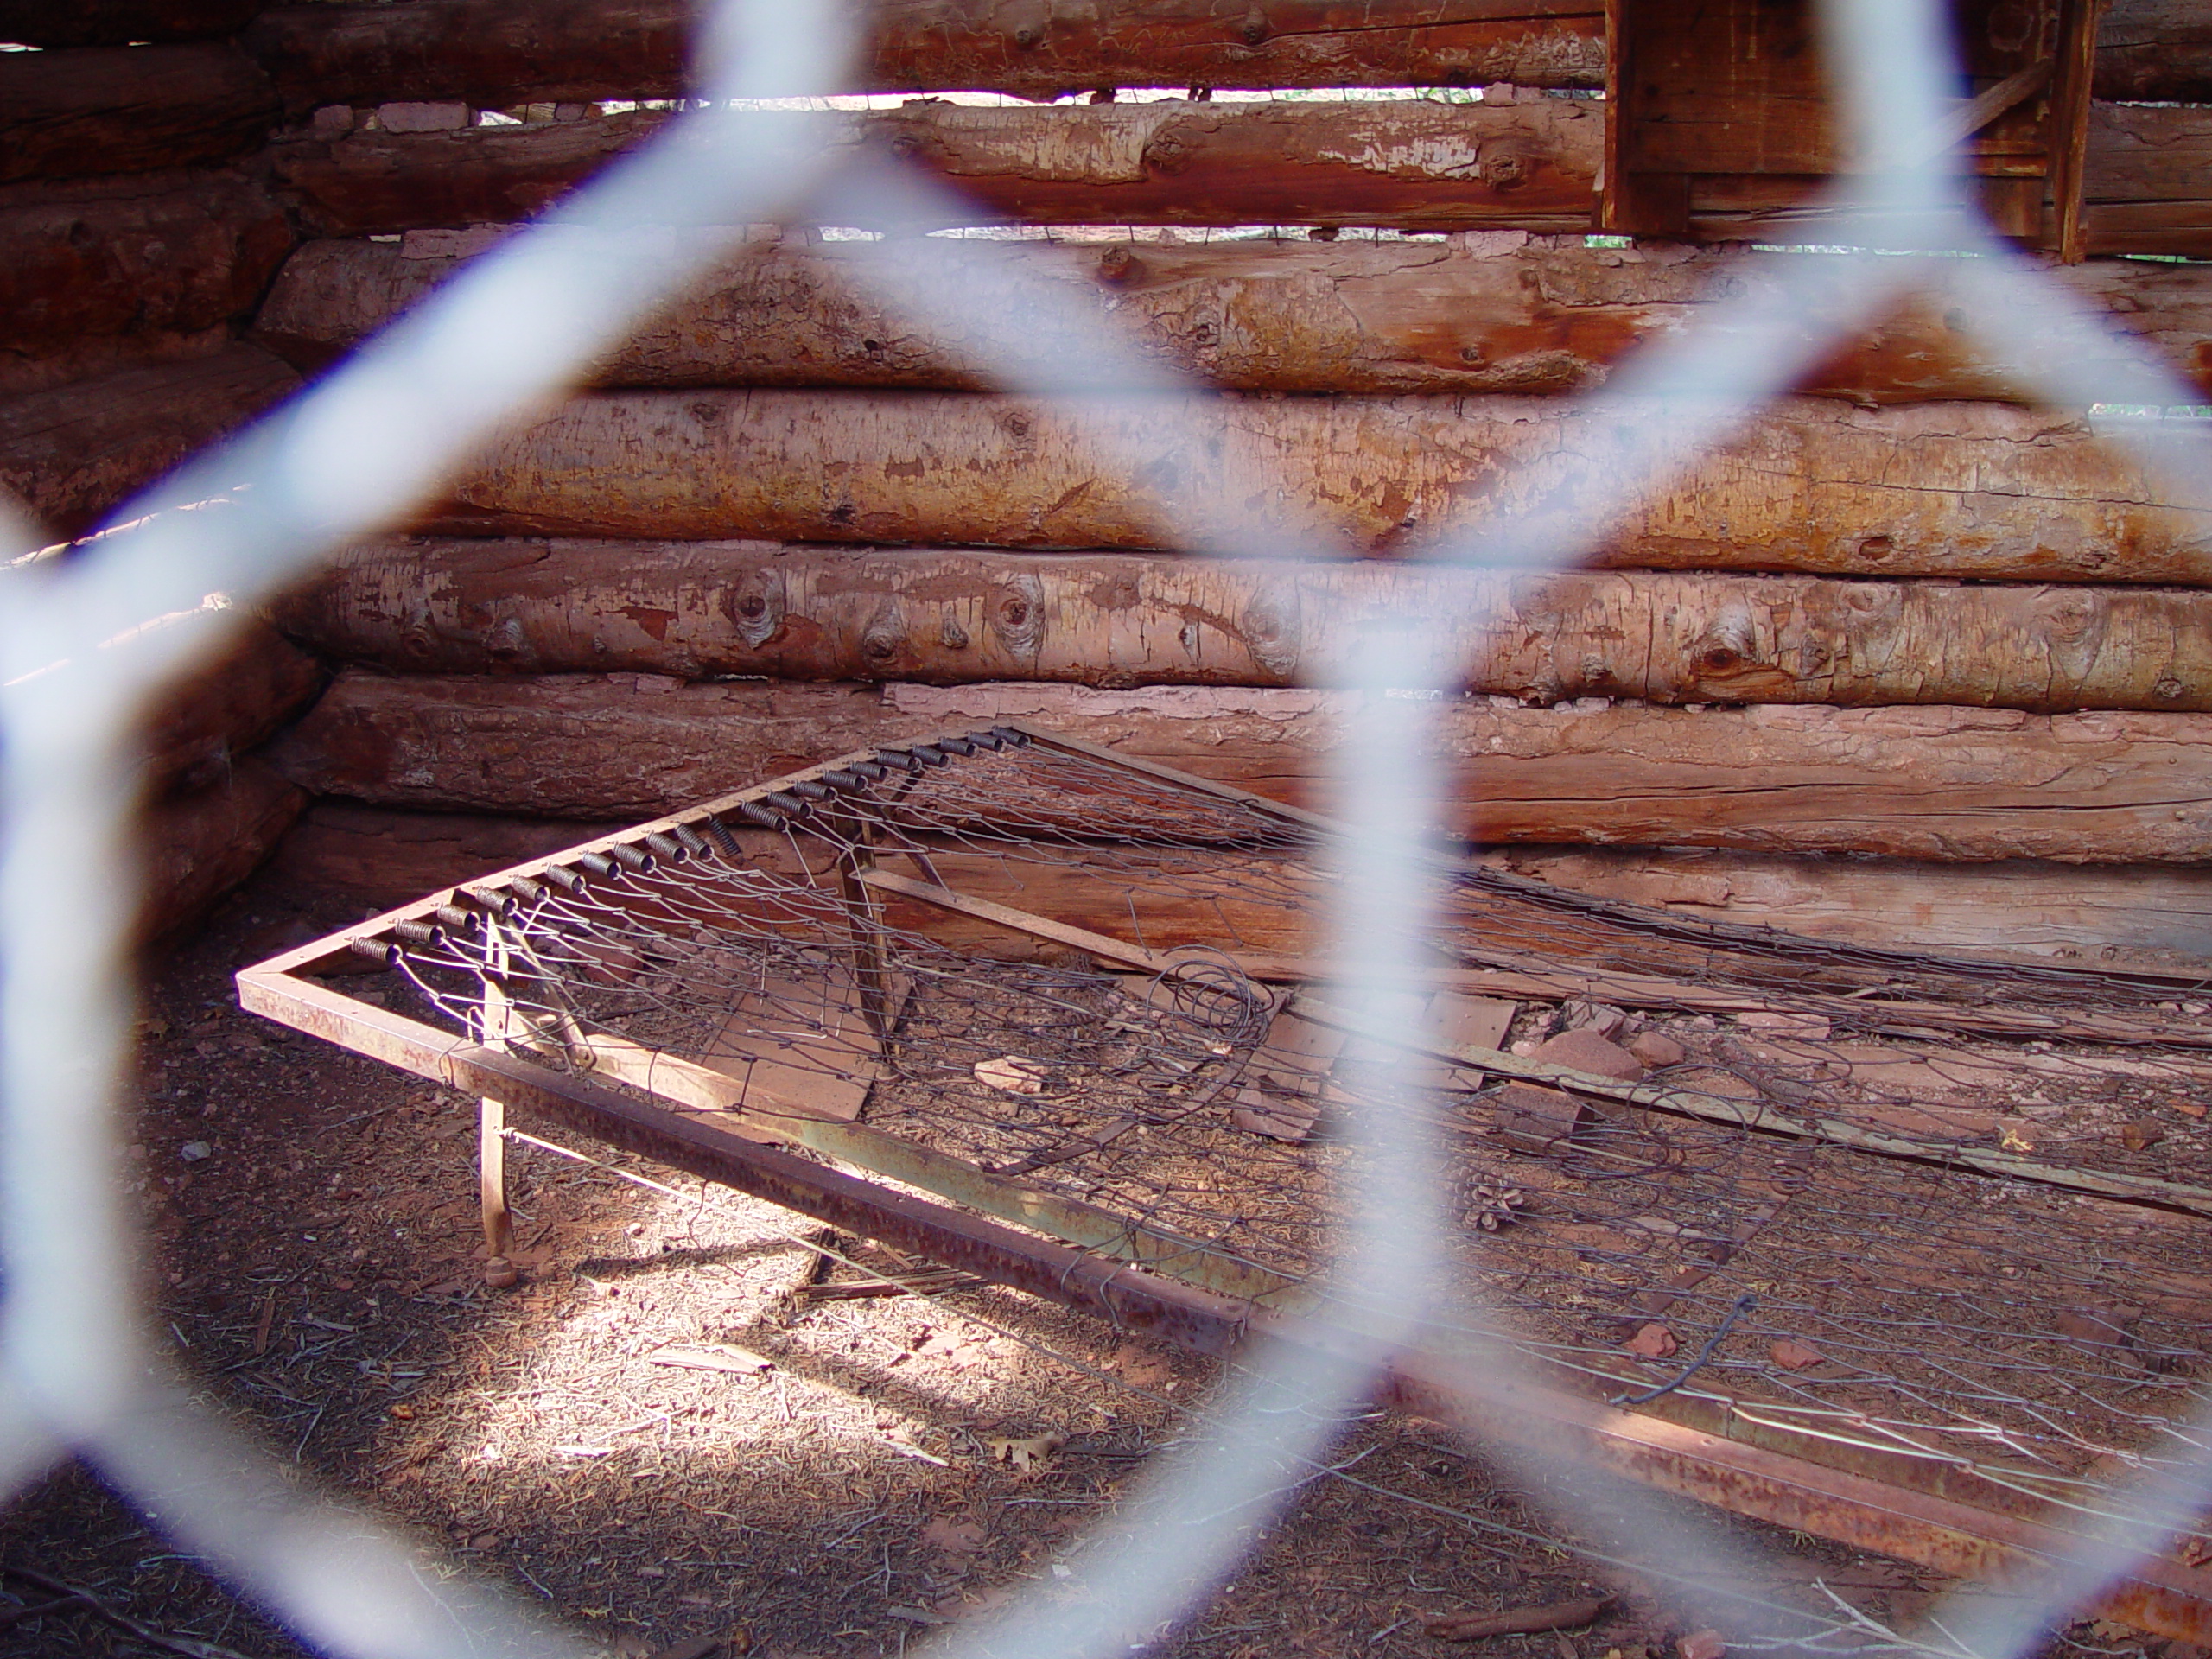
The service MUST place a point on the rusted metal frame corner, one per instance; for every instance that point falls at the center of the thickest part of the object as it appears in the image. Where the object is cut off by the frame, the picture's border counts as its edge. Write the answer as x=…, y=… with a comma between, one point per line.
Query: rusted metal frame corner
x=334, y=944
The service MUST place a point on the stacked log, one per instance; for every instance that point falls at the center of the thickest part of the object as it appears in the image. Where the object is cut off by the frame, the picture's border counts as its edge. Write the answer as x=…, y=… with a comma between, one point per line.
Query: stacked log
x=707, y=610
x=1981, y=490
x=498, y=52
x=1527, y=163
x=1929, y=623
x=1501, y=312
x=213, y=810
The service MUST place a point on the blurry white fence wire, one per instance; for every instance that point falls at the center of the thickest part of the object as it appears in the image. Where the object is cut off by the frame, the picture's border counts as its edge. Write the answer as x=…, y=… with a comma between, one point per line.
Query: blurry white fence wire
x=83, y=642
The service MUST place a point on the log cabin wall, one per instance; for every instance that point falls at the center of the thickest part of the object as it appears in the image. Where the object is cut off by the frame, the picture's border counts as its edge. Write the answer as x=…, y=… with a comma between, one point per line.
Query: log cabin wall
x=1913, y=660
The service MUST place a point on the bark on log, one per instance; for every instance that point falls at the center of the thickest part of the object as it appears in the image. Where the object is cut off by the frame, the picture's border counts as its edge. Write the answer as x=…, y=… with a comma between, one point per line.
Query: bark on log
x=1952, y=783
x=495, y=52
x=1503, y=312
x=1968, y=490
x=74, y=453
x=121, y=22
x=196, y=847
x=697, y=610
x=1409, y=164
x=200, y=729
x=67, y=114
x=2107, y=916
x=92, y=285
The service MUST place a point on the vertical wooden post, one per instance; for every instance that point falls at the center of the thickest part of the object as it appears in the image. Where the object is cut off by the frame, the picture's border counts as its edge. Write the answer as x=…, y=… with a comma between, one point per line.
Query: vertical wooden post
x=1632, y=203
x=492, y=1125
x=2069, y=125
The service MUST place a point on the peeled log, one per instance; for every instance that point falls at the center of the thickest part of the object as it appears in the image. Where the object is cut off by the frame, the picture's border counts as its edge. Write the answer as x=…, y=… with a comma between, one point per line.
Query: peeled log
x=67, y=114
x=696, y=610
x=1951, y=784
x=1969, y=490
x=1409, y=163
x=196, y=847
x=93, y=284
x=200, y=729
x=1503, y=311
x=495, y=52
x=75, y=451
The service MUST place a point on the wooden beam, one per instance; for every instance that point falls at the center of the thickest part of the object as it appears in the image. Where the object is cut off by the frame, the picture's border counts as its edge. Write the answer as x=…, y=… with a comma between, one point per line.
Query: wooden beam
x=1414, y=164
x=1973, y=491
x=69, y=114
x=1942, y=784
x=697, y=609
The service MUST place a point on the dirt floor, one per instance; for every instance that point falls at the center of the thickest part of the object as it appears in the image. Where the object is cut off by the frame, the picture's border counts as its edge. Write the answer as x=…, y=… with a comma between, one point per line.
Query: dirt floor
x=679, y=1435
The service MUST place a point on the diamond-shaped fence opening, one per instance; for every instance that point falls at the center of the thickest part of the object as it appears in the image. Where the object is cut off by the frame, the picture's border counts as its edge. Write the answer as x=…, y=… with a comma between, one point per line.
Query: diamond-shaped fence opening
x=1919, y=1352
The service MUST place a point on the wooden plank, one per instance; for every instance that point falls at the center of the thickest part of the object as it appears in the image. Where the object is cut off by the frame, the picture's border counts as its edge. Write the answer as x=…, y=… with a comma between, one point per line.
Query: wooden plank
x=960, y=615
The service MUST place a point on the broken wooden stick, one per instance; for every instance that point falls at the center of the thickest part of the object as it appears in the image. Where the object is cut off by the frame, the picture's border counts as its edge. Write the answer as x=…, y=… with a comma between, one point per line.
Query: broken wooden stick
x=1516, y=1621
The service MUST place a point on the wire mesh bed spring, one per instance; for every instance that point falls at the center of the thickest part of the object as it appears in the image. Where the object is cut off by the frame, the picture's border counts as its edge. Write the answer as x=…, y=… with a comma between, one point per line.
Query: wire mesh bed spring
x=1937, y=1217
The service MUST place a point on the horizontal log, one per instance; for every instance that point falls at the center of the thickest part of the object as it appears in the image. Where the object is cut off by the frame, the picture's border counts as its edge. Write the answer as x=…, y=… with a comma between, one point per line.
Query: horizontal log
x=1503, y=312
x=73, y=453
x=67, y=114
x=696, y=610
x=1951, y=784
x=2103, y=916
x=94, y=284
x=1968, y=490
x=196, y=847
x=2111, y=916
x=496, y=53
x=1412, y=163
x=378, y=856
x=201, y=727
x=121, y=22
x=1530, y=164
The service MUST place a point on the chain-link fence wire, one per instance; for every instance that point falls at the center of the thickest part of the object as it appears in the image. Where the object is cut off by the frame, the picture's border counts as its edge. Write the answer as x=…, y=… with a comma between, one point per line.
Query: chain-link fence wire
x=84, y=640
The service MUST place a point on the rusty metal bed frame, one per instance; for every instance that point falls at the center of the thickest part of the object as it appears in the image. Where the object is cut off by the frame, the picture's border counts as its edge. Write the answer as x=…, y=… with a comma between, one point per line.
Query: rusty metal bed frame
x=1944, y=1514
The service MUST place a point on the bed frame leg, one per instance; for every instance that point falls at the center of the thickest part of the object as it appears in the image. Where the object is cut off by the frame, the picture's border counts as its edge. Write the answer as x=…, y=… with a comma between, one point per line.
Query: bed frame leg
x=492, y=1189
